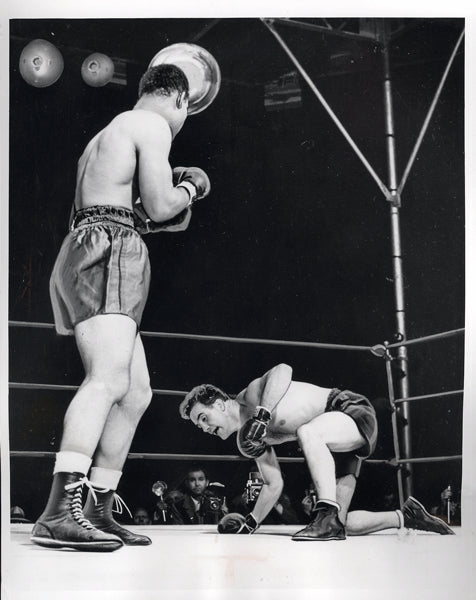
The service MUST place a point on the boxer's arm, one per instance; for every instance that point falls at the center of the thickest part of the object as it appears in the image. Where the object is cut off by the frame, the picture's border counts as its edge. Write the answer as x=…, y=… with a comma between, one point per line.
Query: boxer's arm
x=270, y=470
x=160, y=199
x=272, y=386
x=265, y=394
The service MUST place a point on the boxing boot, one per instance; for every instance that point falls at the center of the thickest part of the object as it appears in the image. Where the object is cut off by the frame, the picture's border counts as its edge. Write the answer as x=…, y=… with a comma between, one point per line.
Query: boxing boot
x=415, y=516
x=99, y=511
x=324, y=526
x=62, y=524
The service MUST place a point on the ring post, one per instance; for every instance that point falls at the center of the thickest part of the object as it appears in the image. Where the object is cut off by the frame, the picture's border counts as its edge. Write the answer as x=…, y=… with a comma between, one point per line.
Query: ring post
x=396, y=246
x=382, y=351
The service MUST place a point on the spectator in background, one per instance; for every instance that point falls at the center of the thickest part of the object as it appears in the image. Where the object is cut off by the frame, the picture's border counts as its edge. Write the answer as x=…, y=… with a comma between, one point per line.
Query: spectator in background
x=163, y=514
x=141, y=516
x=200, y=503
x=449, y=508
x=17, y=515
x=282, y=512
x=310, y=498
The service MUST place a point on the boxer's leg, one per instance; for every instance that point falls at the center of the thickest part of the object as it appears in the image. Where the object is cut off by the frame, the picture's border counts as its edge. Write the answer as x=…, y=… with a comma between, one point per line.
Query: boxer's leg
x=345, y=489
x=361, y=522
x=329, y=432
x=106, y=344
x=113, y=448
x=125, y=415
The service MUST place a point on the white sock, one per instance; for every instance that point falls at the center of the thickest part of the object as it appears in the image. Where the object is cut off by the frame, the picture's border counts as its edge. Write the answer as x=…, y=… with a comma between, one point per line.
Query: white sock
x=400, y=519
x=105, y=478
x=71, y=462
x=331, y=502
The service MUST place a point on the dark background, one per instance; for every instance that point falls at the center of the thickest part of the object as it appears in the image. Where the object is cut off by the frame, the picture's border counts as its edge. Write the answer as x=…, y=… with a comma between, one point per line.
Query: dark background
x=293, y=242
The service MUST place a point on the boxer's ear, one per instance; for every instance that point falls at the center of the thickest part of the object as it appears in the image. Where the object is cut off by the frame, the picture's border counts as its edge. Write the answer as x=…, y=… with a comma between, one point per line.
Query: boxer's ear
x=181, y=99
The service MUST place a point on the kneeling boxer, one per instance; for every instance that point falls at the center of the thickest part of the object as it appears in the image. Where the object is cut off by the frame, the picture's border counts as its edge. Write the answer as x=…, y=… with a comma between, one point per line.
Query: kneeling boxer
x=336, y=430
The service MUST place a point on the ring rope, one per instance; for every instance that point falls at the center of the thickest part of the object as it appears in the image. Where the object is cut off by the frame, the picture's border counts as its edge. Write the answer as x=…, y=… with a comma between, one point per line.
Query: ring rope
x=427, y=338
x=160, y=456
x=51, y=386
x=428, y=396
x=15, y=385
x=232, y=457
x=428, y=459
x=217, y=338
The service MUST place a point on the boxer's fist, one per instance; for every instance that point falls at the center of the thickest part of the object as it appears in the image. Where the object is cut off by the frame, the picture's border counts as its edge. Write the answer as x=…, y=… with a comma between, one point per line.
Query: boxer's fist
x=237, y=523
x=141, y=218
x=248, y=447
x=256, y=428
x=194, y=180
x=143, y=224
x=177, y=174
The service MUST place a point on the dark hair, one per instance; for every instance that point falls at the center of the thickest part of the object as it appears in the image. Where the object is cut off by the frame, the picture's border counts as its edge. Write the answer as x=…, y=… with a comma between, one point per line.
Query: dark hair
x=194, y=468
x=164, y=80
x=206, y=394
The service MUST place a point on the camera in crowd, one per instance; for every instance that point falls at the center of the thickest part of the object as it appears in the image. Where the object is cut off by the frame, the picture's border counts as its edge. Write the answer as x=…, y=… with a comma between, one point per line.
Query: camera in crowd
x=311, y=492
x=253, y=487
x=214, y=500
x=212, y=503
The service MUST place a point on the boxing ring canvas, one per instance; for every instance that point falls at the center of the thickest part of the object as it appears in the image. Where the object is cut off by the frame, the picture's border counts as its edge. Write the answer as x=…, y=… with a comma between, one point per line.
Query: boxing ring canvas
x=333, y=240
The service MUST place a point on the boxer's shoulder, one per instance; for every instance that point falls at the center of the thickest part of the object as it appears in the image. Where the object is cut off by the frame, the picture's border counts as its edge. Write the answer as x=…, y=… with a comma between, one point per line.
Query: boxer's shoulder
x=139, y=123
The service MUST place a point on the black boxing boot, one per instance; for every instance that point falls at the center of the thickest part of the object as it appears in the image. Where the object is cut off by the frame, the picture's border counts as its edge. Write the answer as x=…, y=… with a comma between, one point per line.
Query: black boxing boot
x=99, y=511
x=415, y=516
x=62, y=524
x=325, y=525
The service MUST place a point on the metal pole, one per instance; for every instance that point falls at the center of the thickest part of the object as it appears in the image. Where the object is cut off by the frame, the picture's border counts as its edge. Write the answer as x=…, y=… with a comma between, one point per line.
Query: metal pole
x=402, y=355
x=396, y=444
x=431, y=110
x=322, y=100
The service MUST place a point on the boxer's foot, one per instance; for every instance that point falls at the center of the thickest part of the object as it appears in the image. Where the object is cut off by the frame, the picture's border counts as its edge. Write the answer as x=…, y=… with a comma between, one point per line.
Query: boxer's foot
x=63, y=525
x=99, y=512
x=324, y=526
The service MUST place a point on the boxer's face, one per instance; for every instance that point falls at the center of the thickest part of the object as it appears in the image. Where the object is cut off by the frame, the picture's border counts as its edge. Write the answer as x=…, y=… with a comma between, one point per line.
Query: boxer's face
x=213, y=419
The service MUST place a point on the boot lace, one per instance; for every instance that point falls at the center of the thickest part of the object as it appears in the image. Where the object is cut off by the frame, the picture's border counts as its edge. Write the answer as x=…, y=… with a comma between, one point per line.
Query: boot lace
x=119, y=504
x=118, y=501
x=76, y=505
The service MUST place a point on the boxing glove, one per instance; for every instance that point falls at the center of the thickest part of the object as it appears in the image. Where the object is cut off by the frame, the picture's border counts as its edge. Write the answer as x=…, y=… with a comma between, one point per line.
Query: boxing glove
x=143, y=224
x=194, y=180
x=141, y=218
x=257, y=426
x=247, y=447
x=237, y=523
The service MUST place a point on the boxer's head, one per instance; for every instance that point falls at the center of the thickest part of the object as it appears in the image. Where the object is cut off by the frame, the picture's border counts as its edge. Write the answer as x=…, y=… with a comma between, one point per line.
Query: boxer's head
x=210, y=409
x=168, y=85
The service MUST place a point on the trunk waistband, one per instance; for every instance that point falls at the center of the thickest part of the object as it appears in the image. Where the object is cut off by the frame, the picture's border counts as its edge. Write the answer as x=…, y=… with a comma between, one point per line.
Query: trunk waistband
x=332, y=396
x=107, y=213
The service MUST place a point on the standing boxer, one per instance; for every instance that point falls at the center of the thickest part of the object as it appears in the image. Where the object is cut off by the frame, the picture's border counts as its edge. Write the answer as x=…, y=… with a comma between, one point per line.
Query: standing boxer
x=336, y=431
x=98, y=288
